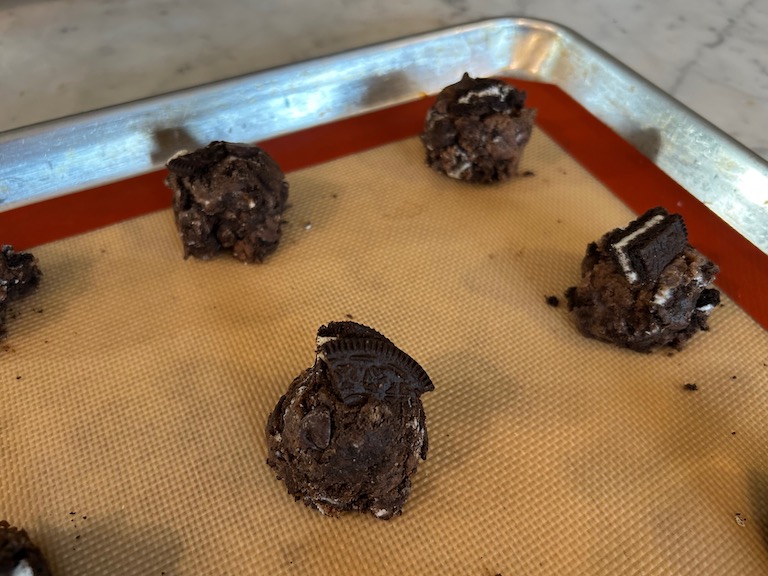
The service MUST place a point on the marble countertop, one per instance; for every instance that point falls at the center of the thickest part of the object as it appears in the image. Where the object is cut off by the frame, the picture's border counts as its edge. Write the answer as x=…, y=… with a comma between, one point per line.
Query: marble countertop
x=59, y=57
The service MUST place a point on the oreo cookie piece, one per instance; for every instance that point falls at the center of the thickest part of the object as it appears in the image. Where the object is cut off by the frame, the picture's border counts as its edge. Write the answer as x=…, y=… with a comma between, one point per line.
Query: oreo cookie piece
x=644, y=286
x=350, y=431
x=477, y=129
x=19, y=275
x=360, y=369
x=228, y=197
x=18, y=555
x=645, y=247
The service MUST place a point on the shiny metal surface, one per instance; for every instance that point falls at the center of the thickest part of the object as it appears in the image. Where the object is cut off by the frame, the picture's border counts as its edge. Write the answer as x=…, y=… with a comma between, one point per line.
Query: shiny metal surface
x=87, y=150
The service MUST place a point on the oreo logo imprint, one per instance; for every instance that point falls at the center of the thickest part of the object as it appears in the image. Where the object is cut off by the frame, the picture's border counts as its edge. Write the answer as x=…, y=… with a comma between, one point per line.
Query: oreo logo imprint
x=362, y=368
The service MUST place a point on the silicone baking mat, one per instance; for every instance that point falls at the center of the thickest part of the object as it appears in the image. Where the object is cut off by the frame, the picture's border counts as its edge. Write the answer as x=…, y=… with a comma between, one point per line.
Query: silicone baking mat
x=136, y=387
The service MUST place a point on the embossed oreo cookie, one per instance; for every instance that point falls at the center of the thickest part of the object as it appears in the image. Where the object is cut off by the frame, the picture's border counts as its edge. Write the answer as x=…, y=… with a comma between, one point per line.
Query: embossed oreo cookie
x=18, y=555
x=350, y=431
x=360, y=369
x=19, y=275
x=644, y=286
x=228, y=197
x=477, y=129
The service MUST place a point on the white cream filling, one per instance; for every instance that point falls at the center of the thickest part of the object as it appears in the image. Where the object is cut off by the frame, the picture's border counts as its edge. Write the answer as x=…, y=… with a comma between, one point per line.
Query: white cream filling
x=182, y=152
x=459, y=170
x=23, y=569
x=621, y=245
x=662, y=296
x=329, y=500
x=498, y=90
x=320, y=340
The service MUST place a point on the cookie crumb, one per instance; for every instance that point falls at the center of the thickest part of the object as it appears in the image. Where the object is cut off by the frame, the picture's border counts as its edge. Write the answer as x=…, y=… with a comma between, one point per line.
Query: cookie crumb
x=741, y=520
x=553, y=301
x=690, y=387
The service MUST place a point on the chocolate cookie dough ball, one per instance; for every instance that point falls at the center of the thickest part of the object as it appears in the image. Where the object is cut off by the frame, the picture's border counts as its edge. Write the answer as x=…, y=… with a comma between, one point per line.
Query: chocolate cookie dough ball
x=645, y=286
x=477, y=129
x=228, y=197
x=18, y=555
x=19, y=275
x=351, y=430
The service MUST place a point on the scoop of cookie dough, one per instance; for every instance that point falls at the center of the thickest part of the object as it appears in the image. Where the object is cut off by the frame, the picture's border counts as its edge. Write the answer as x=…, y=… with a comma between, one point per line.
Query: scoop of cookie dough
x=18, y=555
x=19, y=275
x=477, y=129
x=645, y=286
x=228, y=197
x=350, y=431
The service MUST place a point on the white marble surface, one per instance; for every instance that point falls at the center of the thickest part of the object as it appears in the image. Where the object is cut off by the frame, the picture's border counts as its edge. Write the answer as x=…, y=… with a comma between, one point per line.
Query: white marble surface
x=59, y=57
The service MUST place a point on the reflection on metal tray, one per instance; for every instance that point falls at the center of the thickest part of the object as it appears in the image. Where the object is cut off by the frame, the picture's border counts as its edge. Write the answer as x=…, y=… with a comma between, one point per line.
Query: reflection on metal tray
x=95, y=148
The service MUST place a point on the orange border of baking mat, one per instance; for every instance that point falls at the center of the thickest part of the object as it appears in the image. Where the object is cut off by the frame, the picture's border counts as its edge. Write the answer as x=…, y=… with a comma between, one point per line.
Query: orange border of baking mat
x=622, y=169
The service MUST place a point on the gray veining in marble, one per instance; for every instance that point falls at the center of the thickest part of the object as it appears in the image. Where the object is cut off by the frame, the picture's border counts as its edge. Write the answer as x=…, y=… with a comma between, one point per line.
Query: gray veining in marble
x=59, y=57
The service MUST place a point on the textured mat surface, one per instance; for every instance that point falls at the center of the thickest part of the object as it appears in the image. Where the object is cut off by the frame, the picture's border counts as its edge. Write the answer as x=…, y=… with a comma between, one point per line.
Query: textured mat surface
x=136, y=386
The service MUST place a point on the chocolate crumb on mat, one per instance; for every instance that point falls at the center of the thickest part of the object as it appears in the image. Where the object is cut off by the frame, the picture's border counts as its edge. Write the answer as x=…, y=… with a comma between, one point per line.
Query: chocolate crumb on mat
x=350, y=431
x=553, y=301
x=690, y=387
x=228, y=197
x=644, y=286
x=18, y=555
x=477, y=130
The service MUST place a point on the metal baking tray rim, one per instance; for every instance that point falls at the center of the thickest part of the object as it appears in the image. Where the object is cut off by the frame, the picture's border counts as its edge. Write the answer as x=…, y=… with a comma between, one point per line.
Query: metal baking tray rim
x=94, y=148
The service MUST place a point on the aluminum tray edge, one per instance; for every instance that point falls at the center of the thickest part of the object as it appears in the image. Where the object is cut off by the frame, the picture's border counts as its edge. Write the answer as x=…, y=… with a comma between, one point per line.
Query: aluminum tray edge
x=95, y=148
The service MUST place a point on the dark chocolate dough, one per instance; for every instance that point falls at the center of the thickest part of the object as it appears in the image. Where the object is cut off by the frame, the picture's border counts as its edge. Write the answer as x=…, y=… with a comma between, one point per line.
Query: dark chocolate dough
x=645, y=286
x=477, y=129
x=350, y=431
x=228, y=197
x=17, y=552
x=19, y=275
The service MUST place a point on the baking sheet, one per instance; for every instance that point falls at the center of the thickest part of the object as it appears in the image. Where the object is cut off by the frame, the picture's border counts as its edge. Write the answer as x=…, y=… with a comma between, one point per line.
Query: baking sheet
x=136, y=387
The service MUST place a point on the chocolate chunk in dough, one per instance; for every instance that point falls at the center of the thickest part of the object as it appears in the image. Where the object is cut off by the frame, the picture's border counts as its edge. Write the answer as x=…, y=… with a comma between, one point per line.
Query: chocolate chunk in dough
x=645, y=286
x=477, y=129
x=228, y=197
x=350, y=431
x=19, y=275
x=18, y=555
